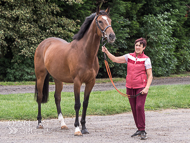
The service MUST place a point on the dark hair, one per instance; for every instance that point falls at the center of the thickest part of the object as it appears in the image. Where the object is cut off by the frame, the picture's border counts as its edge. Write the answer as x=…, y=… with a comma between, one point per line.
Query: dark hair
x=142, y=41
x=85, y=26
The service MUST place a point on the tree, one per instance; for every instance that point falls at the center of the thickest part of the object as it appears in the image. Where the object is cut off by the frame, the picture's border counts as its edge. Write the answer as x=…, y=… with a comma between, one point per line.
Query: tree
x=180, y=32
x=165, y=24
x=166, y=27
x=161, y=45
x=24, y=24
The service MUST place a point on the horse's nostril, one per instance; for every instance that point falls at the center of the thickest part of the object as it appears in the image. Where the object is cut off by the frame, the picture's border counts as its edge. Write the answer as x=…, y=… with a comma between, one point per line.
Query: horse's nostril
x=112, y=36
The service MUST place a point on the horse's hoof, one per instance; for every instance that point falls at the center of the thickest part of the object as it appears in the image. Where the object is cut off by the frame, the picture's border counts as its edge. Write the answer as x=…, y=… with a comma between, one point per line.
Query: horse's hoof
x=78, y=133
x=40, y=127
x=85, y=131
x=64, y=127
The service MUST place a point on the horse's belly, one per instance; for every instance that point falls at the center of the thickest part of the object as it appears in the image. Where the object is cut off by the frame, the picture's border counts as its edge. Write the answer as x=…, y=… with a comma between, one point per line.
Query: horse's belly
x=60, y=73
x=63, y=77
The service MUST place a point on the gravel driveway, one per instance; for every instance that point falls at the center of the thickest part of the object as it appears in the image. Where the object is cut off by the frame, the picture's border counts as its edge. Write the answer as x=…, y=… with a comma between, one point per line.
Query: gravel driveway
x=97, y=87
x=171, y=126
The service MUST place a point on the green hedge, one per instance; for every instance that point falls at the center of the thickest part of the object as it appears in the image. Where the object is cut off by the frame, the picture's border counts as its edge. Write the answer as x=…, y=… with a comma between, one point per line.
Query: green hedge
x=165, y=24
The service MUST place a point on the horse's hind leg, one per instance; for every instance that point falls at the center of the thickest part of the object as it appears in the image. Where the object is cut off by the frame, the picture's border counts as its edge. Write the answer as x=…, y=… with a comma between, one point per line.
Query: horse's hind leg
x=39, y=88
x=57, y=95
x=87, y=92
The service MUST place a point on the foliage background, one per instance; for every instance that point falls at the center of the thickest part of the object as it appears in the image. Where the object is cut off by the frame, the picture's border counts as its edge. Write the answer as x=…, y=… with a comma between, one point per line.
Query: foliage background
x=165, y=24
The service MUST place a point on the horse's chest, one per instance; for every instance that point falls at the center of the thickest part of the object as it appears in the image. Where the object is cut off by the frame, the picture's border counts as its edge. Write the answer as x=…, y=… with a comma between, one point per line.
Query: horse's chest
x=88, y=74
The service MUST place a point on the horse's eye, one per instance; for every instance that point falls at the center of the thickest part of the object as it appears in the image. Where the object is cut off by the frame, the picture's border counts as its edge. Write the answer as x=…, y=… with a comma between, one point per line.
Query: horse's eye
x=100, y=21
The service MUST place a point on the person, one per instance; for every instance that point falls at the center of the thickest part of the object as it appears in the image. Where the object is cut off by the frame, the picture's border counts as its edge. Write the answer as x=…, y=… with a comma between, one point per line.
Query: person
x=138, y=80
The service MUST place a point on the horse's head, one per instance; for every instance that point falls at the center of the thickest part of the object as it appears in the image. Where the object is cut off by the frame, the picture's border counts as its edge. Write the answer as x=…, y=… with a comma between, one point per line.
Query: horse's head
x=103, y=23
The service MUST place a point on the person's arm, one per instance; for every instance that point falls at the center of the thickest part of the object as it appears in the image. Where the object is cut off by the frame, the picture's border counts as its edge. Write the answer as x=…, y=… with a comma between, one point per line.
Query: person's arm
x=120, y=59
x=149, y=81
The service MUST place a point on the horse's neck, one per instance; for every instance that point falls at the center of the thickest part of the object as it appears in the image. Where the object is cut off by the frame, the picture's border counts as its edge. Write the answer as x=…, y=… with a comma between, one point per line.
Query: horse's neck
x=91, y=42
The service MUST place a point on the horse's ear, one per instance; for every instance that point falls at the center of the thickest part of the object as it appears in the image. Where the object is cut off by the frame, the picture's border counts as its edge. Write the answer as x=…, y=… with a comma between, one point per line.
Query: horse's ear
x=97, y=10
x=108, y=10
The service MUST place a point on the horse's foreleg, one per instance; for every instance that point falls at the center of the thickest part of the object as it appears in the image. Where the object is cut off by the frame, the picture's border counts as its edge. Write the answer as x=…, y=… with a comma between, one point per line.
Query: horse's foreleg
x=77, y=85
x=57, y=95
x=88, y=89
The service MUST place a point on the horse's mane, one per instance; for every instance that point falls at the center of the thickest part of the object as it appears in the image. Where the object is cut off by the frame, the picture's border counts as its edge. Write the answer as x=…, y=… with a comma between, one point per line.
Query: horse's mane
x=85, y=26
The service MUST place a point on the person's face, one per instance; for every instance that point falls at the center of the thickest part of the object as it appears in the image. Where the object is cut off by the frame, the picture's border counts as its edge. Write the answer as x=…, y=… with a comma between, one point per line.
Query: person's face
x=139, y=48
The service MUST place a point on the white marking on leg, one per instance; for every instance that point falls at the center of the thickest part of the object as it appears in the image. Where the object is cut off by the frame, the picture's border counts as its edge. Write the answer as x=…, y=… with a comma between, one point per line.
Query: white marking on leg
x=105, y=18
x=77, y=129
x=60, y=118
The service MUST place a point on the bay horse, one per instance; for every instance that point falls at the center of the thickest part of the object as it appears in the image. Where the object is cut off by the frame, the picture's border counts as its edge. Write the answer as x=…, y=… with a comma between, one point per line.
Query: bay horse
x=74, y=62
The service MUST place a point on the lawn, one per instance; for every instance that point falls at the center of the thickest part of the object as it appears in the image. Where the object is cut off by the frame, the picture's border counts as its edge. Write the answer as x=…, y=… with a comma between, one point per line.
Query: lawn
x=24, y=107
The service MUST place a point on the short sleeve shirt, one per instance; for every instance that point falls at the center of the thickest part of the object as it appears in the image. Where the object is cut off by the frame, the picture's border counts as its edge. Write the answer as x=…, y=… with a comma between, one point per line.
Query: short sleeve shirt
x=147, y=63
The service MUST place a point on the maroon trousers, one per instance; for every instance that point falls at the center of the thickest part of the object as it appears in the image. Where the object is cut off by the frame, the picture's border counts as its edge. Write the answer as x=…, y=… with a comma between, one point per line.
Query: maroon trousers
x=137, y=107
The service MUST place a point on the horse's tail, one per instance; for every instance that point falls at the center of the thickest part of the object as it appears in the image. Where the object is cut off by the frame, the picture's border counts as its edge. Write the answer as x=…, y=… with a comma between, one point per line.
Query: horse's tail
x=45, y=91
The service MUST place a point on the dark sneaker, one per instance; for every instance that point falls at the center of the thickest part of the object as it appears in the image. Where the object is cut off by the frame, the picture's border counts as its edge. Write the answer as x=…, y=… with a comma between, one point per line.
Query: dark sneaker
x=136, y=133
x=143, y=135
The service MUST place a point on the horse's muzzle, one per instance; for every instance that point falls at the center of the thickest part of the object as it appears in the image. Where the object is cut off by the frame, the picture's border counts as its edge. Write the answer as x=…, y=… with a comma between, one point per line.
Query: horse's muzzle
x=111, y=38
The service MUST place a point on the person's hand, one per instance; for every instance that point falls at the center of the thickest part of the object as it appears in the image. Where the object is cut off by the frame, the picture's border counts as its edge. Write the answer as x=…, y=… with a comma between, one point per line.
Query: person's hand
x=145, y=91
x=104, y=49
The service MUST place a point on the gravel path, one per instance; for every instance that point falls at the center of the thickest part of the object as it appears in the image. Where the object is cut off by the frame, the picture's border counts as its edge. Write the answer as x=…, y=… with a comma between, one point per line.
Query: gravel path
x=171, y=126
x=97, y=87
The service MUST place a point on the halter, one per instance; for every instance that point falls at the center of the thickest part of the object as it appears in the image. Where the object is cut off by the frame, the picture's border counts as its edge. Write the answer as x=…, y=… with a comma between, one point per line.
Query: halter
x=103, y=31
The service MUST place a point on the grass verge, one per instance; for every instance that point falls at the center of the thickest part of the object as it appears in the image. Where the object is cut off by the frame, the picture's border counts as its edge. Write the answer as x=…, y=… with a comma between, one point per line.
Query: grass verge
x=23, y=106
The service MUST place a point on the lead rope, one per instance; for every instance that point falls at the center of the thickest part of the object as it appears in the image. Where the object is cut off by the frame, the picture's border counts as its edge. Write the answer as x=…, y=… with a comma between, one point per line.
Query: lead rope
x=110, y=76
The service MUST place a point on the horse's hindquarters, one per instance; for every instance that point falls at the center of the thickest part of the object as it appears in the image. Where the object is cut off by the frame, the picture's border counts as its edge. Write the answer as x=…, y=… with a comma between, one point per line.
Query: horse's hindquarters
x=56, y=61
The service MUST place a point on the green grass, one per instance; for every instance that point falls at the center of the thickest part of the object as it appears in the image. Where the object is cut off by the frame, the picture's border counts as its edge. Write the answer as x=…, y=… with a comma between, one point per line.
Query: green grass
x=181, y=74
x=23, y=106
x=168, y=96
